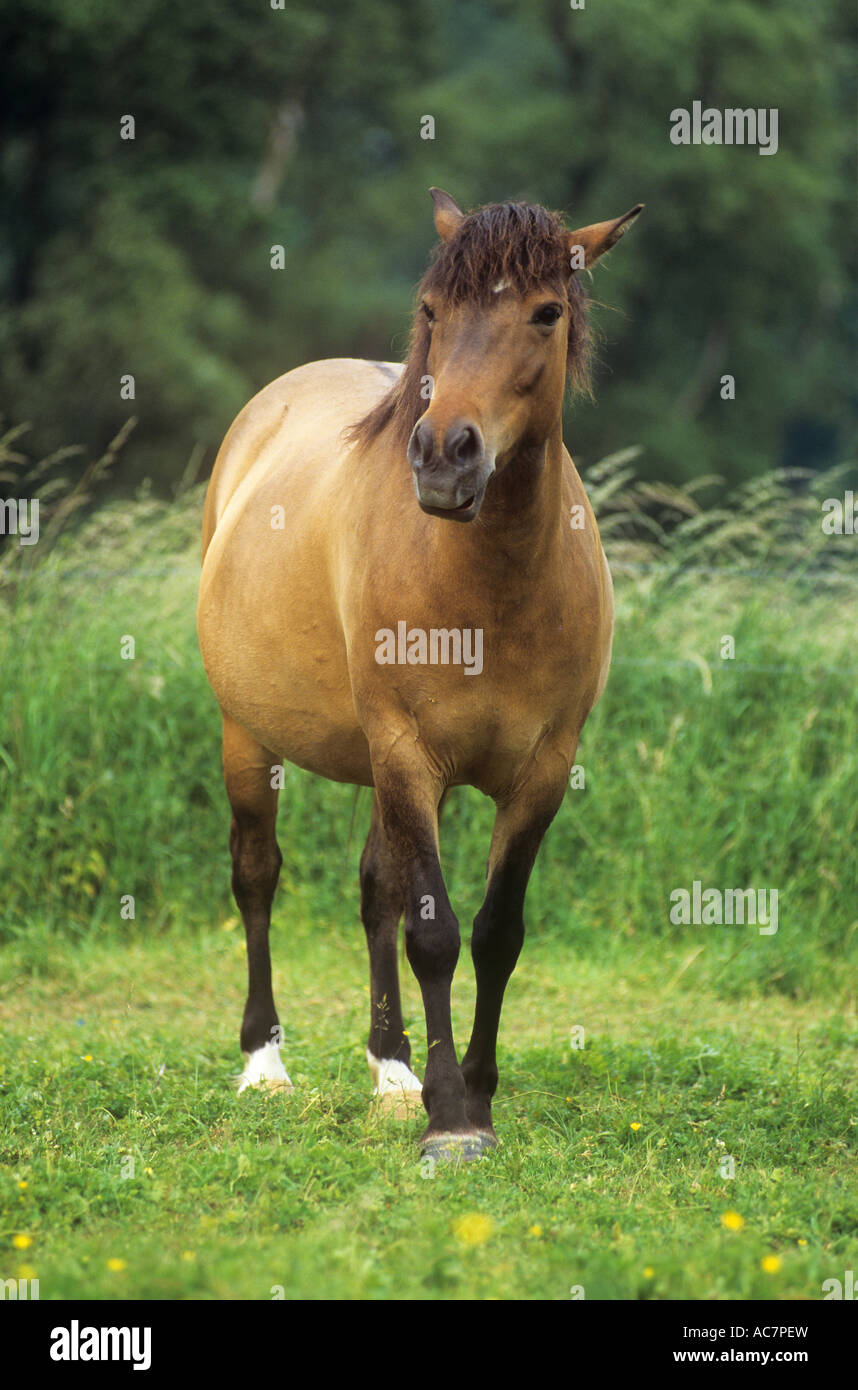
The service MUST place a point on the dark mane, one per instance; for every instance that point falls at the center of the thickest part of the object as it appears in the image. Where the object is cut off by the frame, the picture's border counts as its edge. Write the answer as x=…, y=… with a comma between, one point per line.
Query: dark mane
x=525, y=245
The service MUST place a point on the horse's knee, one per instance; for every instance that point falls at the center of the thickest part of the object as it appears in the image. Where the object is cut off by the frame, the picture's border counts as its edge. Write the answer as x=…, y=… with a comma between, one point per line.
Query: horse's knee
x=432, y=943
x=497, y=941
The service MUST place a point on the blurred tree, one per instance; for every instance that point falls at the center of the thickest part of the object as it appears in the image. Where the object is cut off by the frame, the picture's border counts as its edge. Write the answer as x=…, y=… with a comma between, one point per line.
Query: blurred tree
x=301, y=127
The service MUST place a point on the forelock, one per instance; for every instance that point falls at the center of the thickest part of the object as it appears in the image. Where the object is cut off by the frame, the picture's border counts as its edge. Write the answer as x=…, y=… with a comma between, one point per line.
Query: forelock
x=522, y=245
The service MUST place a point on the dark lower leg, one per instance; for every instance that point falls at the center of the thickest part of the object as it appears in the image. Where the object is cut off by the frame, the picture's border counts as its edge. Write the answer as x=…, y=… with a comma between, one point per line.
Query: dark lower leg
x=433, y=950
x=256, y=863
x=381, y=909
x=495, y=947
x=408, y=802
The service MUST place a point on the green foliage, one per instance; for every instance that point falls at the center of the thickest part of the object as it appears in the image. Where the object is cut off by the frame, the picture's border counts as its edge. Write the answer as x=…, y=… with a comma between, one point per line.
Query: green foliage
x=300, y=127
x=732, y=771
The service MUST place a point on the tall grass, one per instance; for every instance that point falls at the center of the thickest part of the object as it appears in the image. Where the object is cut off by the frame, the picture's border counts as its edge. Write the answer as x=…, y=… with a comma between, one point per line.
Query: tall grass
x=738, y=772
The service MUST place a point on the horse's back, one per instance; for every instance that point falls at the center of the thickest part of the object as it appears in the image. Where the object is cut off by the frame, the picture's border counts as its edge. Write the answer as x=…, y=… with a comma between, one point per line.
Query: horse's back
x=294, y=423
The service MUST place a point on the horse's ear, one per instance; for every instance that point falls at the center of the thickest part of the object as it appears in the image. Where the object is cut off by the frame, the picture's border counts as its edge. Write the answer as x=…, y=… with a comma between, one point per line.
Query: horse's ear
x=448, y=214
x=595, y=240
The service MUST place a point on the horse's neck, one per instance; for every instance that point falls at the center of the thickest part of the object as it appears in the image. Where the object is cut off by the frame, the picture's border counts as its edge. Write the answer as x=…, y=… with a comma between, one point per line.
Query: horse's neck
x=522, y=506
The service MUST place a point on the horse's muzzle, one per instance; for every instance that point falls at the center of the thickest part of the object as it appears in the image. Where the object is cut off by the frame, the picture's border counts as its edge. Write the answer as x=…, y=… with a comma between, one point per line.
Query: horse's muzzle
x=450, y=481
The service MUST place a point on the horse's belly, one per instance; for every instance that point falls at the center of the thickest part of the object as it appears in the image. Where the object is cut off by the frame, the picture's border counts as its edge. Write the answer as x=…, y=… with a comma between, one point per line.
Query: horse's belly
x=339, y=753
x=284, y=678
x=312, y=726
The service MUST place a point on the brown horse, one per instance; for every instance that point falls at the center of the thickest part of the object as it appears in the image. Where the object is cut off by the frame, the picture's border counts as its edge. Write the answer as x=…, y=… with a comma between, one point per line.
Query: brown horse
x=349, y=626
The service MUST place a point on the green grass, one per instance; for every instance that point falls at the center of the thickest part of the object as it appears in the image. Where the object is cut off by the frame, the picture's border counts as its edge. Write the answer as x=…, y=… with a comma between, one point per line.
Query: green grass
x=231, y=1196
x=715, y=1041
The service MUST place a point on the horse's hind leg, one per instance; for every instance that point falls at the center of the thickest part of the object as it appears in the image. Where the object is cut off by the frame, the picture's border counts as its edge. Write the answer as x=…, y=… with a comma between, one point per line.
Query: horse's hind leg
x=256, y=863
x=381, y=905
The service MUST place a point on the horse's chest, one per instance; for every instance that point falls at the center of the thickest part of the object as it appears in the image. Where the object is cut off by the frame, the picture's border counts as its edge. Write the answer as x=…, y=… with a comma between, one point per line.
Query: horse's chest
x=482, y=721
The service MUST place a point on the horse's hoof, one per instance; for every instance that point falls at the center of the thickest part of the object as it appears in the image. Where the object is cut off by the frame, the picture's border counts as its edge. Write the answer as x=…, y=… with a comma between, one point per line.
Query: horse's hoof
x=267, y=1085
x=448, y=1148
x=277, y=1087
x=400, y=1104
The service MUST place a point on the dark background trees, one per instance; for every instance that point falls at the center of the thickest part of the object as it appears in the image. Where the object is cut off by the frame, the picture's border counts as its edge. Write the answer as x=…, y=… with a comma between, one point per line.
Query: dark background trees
x=301, y=127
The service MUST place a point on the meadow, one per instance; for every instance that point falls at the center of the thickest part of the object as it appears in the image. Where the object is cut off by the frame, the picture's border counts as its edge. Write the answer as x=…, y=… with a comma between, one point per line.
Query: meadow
x=679, y=1104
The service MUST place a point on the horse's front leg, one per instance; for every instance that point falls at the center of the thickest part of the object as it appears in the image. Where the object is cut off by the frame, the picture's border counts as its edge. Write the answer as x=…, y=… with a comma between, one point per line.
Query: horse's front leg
x=499, y=933
x=408, y=795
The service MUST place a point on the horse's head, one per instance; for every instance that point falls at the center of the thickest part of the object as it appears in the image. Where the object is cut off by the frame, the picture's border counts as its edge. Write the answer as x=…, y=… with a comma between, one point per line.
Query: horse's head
x=501, y=323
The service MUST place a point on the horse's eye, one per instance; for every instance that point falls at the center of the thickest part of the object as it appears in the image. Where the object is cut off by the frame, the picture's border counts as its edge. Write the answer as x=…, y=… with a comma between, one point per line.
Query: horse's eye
x=548, y=315
x=428, y=312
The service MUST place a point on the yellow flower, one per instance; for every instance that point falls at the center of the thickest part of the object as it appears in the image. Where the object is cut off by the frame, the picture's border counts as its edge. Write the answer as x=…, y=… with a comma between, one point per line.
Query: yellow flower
x=116, y=1266
x=189, y=1255
x=22, y=1185
x=649, y=1272
x=22, y=1242
x=802, y=1241
x=770, y=1264
x=150, y=1172
x=535, y=1231
x=26, y=1272
x=88, y=1057
x=732, y=1220
x=473, y=1229
x=634, y=1125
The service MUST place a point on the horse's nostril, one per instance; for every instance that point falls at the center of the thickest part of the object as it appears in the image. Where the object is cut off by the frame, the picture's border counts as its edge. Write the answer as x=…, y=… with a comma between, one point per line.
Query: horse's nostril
x=421, y=445
x=463, y=444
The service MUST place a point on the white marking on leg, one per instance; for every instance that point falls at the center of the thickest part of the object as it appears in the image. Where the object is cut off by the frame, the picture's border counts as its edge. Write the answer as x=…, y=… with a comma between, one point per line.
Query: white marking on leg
x=264, y=1067
x=391, y=1076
